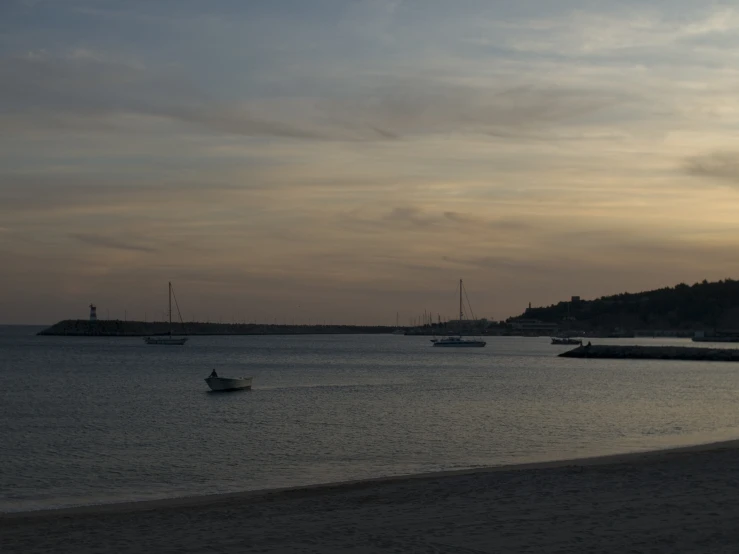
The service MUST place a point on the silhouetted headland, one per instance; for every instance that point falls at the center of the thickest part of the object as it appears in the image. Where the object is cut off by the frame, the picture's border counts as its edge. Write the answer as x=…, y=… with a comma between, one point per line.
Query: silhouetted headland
x=712, y=308
x=654, y=353
x=117, y=328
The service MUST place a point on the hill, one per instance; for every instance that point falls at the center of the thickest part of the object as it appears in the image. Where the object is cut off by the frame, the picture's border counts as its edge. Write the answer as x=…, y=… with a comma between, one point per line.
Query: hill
x=702, y=306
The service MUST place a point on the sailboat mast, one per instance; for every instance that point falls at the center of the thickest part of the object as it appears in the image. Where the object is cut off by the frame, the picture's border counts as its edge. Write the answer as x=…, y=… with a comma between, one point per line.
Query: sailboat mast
x=170, y=305
x=461, y=310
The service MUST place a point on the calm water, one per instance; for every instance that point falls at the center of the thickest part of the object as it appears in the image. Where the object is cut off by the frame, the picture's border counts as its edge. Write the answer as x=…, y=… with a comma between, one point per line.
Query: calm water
x=90, y=420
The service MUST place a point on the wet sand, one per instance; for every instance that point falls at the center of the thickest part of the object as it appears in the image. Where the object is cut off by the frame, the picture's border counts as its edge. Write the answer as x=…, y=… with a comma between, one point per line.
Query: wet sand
x=681, y=500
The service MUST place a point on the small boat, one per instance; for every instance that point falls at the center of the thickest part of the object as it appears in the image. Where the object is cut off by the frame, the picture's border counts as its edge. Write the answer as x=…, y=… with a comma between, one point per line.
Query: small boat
x=458, y=341
x=398, y=330
x=223, y=384
x=168, y=339
x=566, y=340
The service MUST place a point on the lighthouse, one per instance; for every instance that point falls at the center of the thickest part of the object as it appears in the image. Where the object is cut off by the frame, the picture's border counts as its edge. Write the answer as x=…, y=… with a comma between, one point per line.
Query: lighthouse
x=93, y=312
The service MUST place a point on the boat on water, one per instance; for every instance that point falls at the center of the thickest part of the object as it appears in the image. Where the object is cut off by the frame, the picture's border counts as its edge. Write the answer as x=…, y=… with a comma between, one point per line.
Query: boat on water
x=566, y=340
x=225, y=384
x=168, y=339
x=457, y=341
x=398, y=330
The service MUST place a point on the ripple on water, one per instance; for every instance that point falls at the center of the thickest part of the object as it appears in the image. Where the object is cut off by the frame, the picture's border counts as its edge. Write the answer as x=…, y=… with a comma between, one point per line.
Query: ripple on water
x=104, y=420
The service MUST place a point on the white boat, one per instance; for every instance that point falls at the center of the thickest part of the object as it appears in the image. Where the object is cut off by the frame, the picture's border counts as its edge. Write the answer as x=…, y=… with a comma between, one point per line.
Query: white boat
x=172, y=341
x=223, y=384
x=566, y=340
x=458, y=341
x=398, y=330
x=168, y=339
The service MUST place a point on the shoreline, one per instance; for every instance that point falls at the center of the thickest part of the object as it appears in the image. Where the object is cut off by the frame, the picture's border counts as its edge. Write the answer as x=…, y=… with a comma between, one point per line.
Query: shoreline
x=318, y=489
x=680, y=500
x=132, y=328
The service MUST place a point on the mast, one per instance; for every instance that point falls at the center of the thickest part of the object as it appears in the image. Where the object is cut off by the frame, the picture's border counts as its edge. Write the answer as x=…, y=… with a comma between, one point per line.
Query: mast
x=461, y=309
x=170, y=306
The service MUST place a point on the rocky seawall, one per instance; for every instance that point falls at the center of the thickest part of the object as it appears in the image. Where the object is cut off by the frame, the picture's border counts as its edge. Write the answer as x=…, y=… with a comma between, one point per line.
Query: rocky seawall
x=654, y=353
x=116, y=328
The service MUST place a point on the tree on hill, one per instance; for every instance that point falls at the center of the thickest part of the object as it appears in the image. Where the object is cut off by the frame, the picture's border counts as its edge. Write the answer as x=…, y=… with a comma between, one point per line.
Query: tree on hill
x=703, y=305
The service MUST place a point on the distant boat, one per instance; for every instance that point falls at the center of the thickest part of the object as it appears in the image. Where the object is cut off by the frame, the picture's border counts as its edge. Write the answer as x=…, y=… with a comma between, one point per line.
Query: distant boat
x=398, y=330
x=168, y=339
x=224, y=384
x=566, y=340
x=458, y=341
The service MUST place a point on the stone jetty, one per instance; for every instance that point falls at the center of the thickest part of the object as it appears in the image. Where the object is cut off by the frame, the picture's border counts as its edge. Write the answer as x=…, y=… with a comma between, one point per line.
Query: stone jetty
x=117, y=328
x=632, y=352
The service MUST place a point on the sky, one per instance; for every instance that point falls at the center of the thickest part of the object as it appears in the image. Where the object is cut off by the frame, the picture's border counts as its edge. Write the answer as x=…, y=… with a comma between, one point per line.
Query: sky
x=347, y=161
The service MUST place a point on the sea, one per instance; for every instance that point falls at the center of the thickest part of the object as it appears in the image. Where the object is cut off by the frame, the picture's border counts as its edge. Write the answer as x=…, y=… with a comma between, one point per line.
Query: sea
x=90, y=420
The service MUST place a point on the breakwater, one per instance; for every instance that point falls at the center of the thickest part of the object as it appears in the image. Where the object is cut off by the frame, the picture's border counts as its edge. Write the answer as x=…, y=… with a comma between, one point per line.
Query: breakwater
x=117, y=328
x=654, y=353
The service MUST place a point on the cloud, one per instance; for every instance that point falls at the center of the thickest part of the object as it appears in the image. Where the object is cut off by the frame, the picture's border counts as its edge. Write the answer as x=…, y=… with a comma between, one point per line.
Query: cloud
x=612, y=31
x=412, y=217
x=418, y=105
x=83, y=90
x=79, y=193
x=619, y=250
x=111, y=242
x=237, y=121
x=723, y=166
x=504, y=223
x=87, y=90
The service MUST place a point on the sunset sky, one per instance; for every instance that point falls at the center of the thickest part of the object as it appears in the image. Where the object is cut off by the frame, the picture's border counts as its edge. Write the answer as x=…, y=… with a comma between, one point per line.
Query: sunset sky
x=347, y=160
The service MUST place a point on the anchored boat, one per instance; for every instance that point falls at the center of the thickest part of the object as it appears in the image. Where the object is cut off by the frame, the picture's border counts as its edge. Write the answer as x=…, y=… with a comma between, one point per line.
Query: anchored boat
x=458, y=341
x=168, y=339
x=223, y=384
x=566, y=340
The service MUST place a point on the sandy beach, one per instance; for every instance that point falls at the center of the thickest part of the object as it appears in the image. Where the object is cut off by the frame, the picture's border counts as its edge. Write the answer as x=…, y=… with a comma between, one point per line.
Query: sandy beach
x=682, y=500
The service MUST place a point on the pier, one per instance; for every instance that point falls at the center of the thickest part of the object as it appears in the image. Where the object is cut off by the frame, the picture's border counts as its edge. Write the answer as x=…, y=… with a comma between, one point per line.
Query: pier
x=118, y=328
x=654, y=353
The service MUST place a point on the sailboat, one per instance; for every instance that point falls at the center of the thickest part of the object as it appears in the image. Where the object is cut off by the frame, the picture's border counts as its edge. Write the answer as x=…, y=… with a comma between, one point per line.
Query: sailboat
x=169, y=339
x=458, y=341
x=398, y=330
